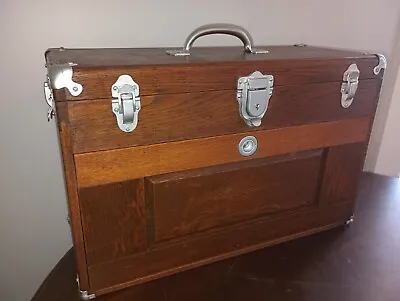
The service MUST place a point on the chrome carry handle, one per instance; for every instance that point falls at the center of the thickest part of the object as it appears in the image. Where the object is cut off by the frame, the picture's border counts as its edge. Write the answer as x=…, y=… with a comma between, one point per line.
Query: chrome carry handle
x=219, y=28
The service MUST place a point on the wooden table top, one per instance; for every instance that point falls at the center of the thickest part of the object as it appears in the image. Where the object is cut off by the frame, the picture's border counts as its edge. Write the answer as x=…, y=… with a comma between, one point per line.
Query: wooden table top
x=360, y=263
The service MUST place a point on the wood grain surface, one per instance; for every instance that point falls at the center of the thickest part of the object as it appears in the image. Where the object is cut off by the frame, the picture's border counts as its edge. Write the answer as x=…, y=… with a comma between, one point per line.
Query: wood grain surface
x=114, y=57
x=169, y=196
x=343, y=168
x=71, y=186
x=202, y=250
x=113, y=220
x=104, y=167
x=165, y=118
x=184, y=78
x=319, y=267
x=191, y=202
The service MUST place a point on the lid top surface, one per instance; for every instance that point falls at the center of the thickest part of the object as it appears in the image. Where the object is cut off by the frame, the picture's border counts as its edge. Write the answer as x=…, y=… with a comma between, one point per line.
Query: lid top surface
x=109, y=57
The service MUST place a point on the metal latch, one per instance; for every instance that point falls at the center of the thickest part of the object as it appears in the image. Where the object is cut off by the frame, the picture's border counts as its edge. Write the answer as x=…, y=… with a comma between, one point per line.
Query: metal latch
x=253, y=94
x=350, y=85
x=126, y=102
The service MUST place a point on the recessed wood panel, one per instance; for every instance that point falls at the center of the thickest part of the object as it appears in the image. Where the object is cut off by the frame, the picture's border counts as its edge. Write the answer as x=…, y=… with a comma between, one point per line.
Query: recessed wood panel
x=104, y=167
x=204, y=114
x=194, y=201
x=342, y=172
x=114, y=220
x=203, y=250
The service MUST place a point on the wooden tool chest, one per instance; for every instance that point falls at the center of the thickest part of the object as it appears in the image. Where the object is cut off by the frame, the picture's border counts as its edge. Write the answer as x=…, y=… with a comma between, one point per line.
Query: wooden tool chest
x=178, y=158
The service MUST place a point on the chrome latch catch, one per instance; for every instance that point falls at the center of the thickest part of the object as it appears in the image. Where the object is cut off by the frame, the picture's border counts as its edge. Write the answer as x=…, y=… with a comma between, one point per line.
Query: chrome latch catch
x=350, y=85
x=253, y=95
x=126, y=102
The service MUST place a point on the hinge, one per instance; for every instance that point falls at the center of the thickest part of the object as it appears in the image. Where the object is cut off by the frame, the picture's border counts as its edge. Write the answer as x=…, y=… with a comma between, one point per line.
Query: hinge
x=126, y=103
x=349, y=85
x=253, y=94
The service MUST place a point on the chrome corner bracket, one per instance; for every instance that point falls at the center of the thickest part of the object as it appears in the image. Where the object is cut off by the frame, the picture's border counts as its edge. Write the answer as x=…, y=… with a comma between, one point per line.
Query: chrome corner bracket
x=253, y=95
x=126, y=103
x=86, y=296
x=350, y=221
x=48, y=95
x=350, y=85
x=60, y=76
x=382, y=64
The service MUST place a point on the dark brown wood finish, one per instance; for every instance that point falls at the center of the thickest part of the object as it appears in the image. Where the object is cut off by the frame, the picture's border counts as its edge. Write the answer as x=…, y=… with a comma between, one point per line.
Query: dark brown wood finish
x=99, y=168
x=114, y=57
x=205, y=114
x=64, y=135
x=342, y=172
x=113, y=220
x=195, y=201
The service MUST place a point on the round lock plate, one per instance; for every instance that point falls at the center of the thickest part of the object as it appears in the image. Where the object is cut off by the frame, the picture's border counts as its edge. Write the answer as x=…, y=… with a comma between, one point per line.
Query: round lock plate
x=248, y=146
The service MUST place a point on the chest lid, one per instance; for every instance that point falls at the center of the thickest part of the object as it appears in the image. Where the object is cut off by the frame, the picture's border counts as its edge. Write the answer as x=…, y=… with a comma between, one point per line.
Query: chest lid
x=83, y=74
